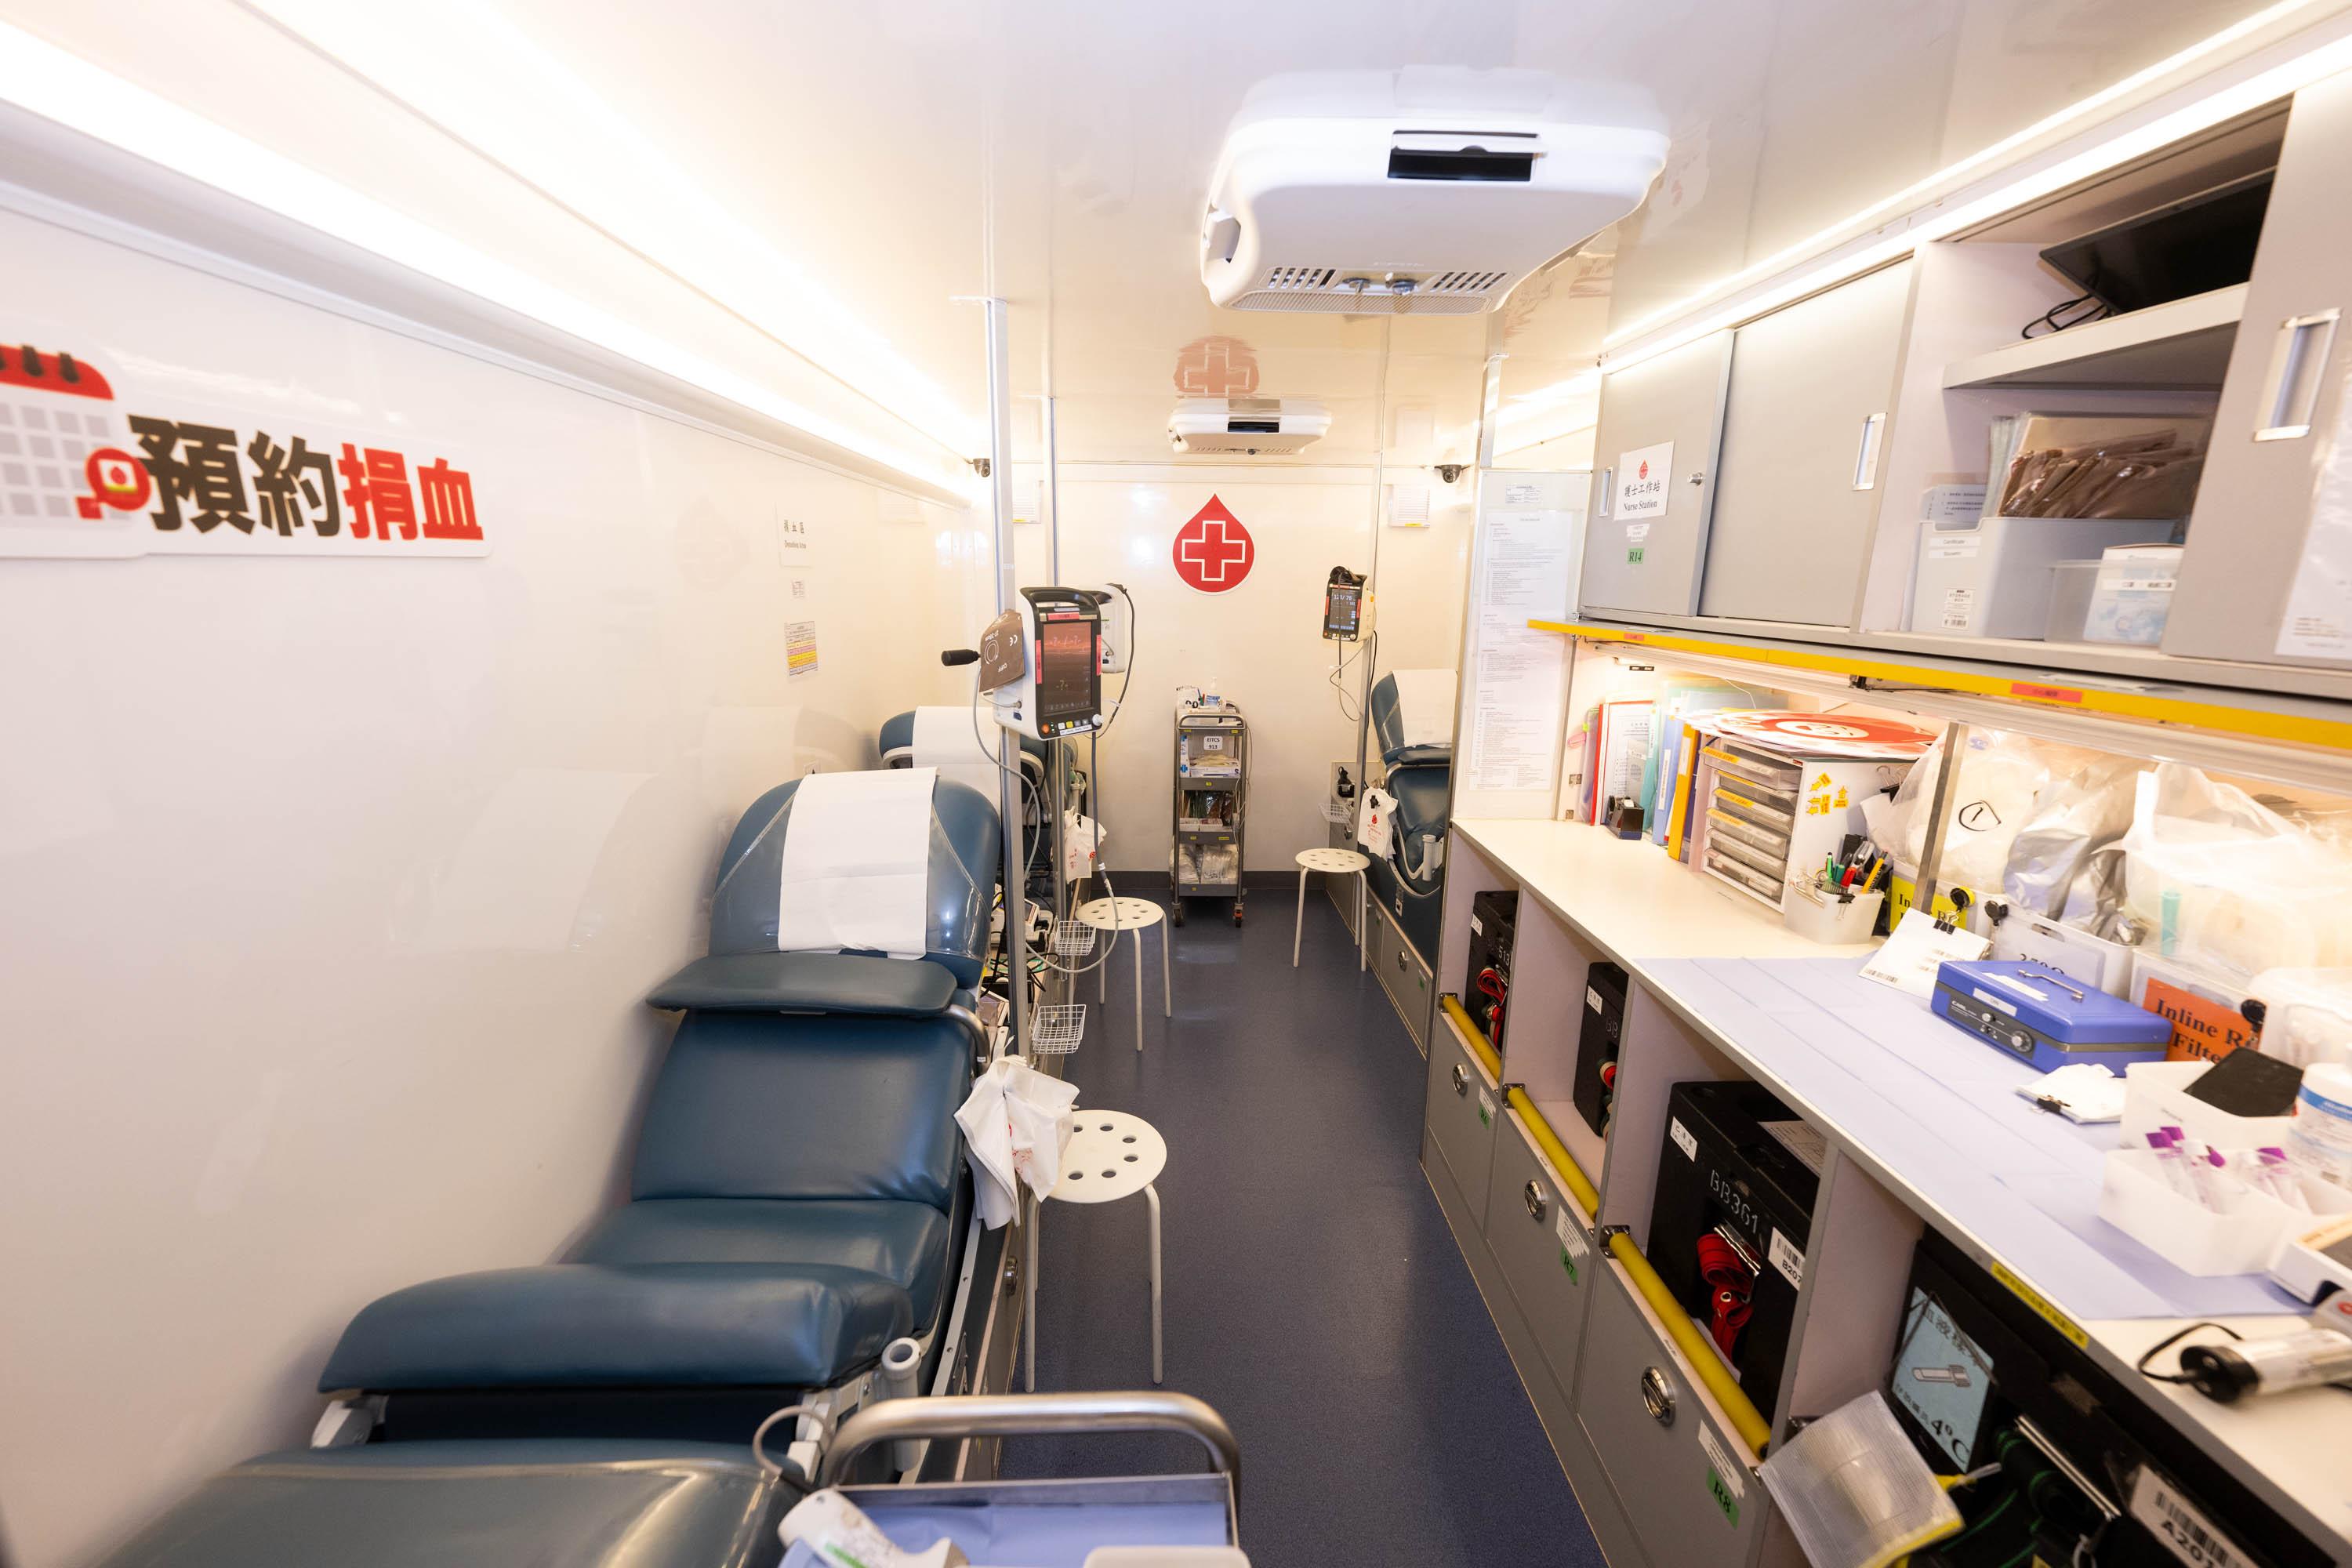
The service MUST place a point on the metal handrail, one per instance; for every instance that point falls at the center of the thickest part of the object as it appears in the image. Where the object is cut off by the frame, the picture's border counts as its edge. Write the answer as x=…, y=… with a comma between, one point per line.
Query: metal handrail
x=1012, y=1414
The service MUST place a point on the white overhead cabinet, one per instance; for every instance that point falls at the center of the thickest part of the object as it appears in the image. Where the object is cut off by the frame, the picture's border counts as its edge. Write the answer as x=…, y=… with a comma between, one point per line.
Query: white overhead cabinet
x=2267, y=574
x=1796, y=488
x=1661, y=422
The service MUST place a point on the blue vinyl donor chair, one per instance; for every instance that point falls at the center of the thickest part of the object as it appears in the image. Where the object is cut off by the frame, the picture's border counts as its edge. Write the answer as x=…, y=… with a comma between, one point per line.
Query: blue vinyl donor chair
x=1410, y=880
x=795, y=1203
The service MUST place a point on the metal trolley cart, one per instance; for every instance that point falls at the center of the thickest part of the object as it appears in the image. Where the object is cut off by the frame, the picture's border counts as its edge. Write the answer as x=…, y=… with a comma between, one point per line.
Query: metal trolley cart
x=1052, y=1523
x=1204, y=857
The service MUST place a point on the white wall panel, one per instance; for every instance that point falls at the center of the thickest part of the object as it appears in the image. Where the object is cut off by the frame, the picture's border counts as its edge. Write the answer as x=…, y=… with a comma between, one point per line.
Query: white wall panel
x=1260, y=644
x=329, y=888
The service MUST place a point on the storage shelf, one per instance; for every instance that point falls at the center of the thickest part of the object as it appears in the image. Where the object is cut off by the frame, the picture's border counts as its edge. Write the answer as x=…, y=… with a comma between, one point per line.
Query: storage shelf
x=2184, y=343
x=2112, y=683
x=1647, y=911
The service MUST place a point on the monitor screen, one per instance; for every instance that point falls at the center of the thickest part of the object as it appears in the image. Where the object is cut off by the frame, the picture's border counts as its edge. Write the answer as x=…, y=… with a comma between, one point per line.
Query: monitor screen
x=1341, y=607
x=1065, y=670
x=2193, y=245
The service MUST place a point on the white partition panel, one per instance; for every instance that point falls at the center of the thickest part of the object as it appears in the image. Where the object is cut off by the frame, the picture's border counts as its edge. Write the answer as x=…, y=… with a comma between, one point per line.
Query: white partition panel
x=332, y=887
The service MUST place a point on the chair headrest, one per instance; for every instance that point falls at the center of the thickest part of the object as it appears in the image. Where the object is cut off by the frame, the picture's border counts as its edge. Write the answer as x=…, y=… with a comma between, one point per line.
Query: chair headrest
x=964, y=841
x=1412, y=714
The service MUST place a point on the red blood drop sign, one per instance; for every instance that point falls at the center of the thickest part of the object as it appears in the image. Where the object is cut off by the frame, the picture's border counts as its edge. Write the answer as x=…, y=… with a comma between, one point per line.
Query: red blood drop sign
x=1214, y=551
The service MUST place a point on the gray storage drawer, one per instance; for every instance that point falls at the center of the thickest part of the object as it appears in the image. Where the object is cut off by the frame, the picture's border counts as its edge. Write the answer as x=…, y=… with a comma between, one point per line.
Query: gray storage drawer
x=1405, y=978
x=1464, y=1104
x=1650, y=565
x=2281, y=413
x=1542, y=1246
x=1665, y=1471
x=1796, y=490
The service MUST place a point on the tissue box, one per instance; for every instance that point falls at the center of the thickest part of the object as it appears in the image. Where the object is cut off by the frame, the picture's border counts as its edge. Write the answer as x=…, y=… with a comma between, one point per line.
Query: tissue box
x=2133, y=595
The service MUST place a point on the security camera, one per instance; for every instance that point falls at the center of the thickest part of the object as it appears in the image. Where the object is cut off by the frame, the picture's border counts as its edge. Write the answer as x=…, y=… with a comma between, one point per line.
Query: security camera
x=1449, y=472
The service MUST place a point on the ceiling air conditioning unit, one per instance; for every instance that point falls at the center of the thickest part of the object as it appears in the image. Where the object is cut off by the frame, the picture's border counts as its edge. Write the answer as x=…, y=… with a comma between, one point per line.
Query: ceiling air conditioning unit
x=1252, y=427
x=1426, y=191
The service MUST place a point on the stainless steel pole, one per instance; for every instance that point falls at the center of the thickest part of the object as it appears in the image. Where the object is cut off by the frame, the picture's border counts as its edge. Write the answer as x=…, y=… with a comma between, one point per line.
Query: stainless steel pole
x=1008, y=588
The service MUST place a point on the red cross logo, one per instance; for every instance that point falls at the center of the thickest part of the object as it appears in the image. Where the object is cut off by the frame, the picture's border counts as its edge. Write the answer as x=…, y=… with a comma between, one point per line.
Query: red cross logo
x=1214, y=551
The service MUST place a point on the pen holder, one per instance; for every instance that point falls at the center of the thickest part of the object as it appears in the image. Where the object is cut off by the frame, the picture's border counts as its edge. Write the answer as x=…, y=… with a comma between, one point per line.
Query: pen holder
x=1829, y=920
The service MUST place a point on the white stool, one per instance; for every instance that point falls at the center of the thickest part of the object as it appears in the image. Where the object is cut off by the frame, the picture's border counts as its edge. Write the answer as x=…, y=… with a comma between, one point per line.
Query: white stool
x=1335, y=861
x=1132, y=914
x=1111, y=1155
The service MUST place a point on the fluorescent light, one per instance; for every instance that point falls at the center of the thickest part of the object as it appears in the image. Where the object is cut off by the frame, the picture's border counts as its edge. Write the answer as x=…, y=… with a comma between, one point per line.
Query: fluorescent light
x=58, y=86
x=464, y=68
x=1935, y=222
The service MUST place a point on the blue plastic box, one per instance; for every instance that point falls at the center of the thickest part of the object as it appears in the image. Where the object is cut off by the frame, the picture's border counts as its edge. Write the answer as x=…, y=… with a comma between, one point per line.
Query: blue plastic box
x=2046, y=1018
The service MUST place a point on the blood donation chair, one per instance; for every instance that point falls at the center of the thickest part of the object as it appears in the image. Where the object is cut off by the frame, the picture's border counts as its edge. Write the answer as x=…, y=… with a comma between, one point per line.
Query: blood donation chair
x=1412, y=723
x=797, y=1201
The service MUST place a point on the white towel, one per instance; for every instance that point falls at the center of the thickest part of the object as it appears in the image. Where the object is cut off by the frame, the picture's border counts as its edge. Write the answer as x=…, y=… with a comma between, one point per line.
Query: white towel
x=1015, y=1122
x=1424, y=706
x=949, y=739
x=857, y=864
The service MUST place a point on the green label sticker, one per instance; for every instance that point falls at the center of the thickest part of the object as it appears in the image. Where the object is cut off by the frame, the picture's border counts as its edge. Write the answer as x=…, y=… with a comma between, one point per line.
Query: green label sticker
x=1634, y=556
x=1569, y=1264
x=1722, y=1495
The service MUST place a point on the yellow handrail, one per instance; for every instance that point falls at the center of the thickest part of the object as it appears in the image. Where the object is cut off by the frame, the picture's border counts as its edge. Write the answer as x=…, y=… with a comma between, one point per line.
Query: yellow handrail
x=1572, y=1175
x=1475, y=1036
x=1754, y=1429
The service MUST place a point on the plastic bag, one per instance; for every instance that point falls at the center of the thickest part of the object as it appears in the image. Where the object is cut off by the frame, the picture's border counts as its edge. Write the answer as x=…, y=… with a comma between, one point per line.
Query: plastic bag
x=2219, y=879
x=1015, y=1122
x=2001, y=775
x=2054, y=863
x=2306, y=1014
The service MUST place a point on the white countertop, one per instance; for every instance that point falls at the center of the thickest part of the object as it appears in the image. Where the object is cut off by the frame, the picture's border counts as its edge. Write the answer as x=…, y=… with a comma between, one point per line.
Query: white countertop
x=1632, y=901
x=1628, y=898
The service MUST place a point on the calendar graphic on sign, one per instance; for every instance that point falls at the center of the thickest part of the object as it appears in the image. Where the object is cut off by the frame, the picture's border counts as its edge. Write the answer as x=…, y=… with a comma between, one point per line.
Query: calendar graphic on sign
x=56, y=412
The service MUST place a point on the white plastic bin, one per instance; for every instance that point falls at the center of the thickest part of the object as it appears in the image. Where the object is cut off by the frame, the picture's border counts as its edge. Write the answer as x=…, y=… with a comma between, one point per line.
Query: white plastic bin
x=2237, y=1238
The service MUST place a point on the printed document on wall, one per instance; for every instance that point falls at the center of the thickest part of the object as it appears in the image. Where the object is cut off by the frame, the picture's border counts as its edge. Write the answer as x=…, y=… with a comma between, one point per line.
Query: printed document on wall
x=2318, y=619
x=1520, y=677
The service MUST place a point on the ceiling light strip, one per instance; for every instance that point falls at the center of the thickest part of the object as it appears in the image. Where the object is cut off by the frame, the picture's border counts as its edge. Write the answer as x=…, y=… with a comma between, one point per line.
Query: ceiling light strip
x=63, y=88
x=2235, y=88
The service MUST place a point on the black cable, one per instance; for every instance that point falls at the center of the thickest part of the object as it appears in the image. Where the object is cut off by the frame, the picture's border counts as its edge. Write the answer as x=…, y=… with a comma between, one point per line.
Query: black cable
x=2082, y=308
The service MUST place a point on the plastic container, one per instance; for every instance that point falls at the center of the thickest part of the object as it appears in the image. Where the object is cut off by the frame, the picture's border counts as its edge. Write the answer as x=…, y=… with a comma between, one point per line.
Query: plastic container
x=2132, y=598
x=2306, y=1014
x=1853, y=1490
x=2238, y=1238
x=2320, y=1133
x=1830, y=921
x=2156, y=1094
x=2070, y=582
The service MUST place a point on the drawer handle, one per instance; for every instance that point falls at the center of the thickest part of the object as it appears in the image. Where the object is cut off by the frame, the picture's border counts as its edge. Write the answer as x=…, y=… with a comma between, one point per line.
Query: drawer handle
x=1535, y=1200
x=2298, y=361
x=1461, y=1080
x=1658, y=1396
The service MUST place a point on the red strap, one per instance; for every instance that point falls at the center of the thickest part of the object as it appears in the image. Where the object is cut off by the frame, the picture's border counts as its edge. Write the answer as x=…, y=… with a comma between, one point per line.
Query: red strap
x=1730, y=1286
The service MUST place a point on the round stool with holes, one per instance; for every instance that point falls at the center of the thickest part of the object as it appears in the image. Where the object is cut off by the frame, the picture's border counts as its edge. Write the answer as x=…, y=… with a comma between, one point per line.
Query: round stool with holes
x=1338, y=862
x=1131, y=915
x=1111, y=1155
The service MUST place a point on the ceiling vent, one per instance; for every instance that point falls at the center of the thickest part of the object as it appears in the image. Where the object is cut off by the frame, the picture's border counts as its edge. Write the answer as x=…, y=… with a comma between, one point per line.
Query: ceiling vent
x=1246, y=426
x=1428, y=191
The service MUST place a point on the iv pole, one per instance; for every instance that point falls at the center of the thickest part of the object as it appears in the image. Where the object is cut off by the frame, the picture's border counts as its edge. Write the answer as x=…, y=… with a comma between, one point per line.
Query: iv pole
x=1008, y=779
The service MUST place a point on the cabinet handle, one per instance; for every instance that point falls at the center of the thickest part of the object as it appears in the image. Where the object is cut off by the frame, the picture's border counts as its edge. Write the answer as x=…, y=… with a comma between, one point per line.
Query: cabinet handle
x=1536, y=1202
x=2297, y=362
x=1865, y=456
x=1658, y=1396
x=1461, y=1080
x=1608, y=492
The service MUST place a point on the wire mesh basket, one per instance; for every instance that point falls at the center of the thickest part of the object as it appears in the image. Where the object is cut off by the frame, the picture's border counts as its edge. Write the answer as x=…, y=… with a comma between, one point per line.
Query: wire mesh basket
x=1055, y=1031
x=1071, y=939
x=1338, y=815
